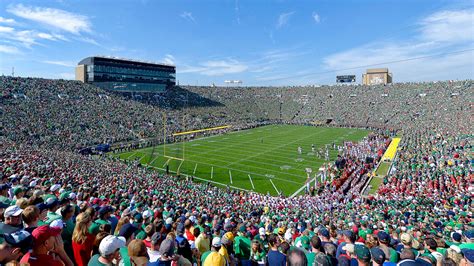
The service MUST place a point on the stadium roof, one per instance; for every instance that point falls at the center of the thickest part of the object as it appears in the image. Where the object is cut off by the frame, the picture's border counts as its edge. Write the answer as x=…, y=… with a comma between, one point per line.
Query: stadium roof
x=128, y=59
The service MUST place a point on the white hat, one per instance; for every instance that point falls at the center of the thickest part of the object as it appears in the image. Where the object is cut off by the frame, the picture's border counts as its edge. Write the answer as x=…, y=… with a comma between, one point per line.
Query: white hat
x=349, y=248
x=216, y=242
x=57, y=223
x=146, y=214
x=110, y=244
x=33, y=183
x=169, y=220
x=193, y=219
x=12, y=211
x=55, y=187
x=261, y=231
x=72, y=195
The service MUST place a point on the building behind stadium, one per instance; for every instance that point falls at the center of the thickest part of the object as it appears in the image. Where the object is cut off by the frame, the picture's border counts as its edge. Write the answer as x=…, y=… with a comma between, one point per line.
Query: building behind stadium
x=126, y=75
x=377, y=76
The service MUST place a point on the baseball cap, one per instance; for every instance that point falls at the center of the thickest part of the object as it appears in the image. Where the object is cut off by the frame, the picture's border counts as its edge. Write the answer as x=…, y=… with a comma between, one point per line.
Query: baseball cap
x=12, y=211
x=349, y=248
x=19, y=239
x=216, y=242
x=147, y=214
x=468, y=254
x=42, y=233
x=383, y=237
x=167, y=247
x=105, y=209
x=456, y=236
x=57, y=223
x=469, y=234
x=406, y=238
x=55, y=187
x=127, y=230
x=378, y=255
x=156, y=237
x=362, y=252
x=324, y=232
x=42, y=206
x=110, y=244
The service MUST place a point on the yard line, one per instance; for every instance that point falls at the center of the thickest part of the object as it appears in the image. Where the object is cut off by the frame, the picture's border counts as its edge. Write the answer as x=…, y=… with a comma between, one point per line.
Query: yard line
x=133, y=154
x=142, y=157
x=230, y=175
x=278, y=192
x=205, y=180
x=156, y=157
x=251, y=182
x=177, y=170
x=195, y=167
x=212, y=171
x=267, y=151
x=241, y=143
x=166, y=162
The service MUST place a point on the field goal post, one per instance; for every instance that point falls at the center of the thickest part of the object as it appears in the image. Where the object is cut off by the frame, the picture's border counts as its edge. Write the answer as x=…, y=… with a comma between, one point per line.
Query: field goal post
x=183, y=137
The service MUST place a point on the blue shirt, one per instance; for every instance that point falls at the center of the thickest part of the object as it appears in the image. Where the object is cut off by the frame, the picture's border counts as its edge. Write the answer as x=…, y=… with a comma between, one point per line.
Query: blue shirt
x=276, y=258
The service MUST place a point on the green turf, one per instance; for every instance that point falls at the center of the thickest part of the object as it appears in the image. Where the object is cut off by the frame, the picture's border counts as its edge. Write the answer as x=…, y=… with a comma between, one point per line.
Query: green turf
x=382, y=170
x=265, y=153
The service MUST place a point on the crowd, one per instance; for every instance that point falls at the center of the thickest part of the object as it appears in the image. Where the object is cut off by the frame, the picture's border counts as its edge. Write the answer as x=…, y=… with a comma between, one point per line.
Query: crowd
x=60, y=208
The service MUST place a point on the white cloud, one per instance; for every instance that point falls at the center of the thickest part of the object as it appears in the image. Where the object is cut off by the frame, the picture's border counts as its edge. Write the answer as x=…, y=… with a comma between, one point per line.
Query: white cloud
x=7, y=49
x=283, y=19
x=6, y=29
x=169, y=59
x=316, y=17
x=441, y=33
x=56, y=18
x=7, y=20
x=216, y=67
x=188, y=16
x=449, y=26
x=60, y=63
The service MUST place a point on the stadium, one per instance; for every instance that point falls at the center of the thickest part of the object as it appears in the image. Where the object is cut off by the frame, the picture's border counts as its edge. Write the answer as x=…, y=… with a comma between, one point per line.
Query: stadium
x=124, y=166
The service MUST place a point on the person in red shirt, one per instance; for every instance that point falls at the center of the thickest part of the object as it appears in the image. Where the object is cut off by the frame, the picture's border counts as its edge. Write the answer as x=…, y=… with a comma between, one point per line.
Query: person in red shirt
x=82, y=240
x=47, y=248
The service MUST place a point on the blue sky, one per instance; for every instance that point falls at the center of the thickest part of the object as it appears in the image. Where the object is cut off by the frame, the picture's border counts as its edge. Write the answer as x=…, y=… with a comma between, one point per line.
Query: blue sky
x=258, y=42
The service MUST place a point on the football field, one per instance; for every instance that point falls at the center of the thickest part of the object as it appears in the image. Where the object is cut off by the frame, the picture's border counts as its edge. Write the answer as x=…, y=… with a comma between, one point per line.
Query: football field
x=263, y=159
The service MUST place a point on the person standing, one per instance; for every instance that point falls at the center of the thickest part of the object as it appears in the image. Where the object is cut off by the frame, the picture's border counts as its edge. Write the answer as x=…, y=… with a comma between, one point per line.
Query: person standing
x=82, y=240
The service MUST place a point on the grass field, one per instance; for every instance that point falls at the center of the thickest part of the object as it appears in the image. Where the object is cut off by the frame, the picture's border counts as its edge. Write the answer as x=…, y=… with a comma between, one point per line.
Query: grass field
x=265, y=156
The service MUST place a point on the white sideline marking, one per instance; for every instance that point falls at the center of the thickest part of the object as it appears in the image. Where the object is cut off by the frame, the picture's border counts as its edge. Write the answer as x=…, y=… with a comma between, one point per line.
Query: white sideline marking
x=195, y=167
x=167, y=162
x=230, y=175
x=212, y=171
x=271, y=181
x=251, y=182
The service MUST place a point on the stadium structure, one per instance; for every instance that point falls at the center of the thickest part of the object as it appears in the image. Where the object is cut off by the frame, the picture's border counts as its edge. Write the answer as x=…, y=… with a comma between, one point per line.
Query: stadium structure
x=126, y=75
x=368, y=169
x=377, y=76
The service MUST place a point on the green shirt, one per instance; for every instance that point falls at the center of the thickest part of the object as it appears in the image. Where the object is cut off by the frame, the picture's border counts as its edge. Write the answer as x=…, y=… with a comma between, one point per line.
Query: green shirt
x=94, y=261
x=242, y=246
x=204, y=256
x=310, y=256
x=125, y=258
x=95, y=226
x=51, y=216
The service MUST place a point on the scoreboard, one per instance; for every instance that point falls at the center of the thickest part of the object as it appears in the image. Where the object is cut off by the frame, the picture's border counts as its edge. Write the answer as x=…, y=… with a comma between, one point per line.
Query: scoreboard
x=345, y=79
